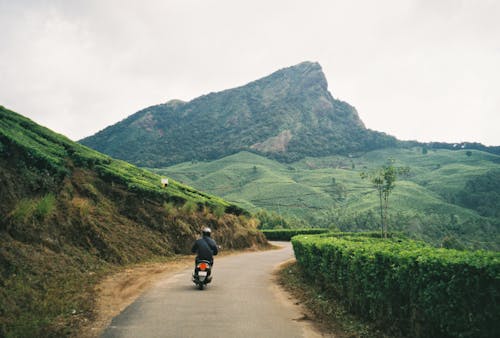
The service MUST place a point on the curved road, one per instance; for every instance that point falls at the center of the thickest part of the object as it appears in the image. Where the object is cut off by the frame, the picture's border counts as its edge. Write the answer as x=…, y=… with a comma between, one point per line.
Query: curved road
x=241, y=301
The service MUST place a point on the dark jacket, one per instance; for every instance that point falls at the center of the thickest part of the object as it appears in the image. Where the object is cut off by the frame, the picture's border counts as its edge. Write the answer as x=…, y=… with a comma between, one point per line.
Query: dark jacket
x=205, y=248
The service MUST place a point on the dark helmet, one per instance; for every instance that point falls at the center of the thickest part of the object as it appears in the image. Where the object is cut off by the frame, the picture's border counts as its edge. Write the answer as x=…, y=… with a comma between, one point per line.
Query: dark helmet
x=206, y=231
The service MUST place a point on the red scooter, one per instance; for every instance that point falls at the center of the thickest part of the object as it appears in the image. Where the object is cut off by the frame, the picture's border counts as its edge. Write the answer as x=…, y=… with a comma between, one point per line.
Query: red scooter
x=202, y=274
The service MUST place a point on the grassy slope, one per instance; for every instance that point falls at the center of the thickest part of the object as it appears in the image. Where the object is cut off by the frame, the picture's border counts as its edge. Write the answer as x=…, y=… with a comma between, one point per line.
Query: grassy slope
x=305, y=188
x=69, y=214
x=253, y=181
x=53, y=151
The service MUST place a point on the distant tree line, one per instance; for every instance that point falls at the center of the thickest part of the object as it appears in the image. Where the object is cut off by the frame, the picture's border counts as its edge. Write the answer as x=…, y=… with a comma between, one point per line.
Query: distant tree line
x=271, y=220
x=461, y=146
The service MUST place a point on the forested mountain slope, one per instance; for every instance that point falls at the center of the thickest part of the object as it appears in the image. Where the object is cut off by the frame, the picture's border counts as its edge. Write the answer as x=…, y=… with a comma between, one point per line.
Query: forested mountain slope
x=287, y=115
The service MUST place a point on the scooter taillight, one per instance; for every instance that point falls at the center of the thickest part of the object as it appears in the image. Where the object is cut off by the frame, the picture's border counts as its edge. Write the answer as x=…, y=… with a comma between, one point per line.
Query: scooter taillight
x=203, y=266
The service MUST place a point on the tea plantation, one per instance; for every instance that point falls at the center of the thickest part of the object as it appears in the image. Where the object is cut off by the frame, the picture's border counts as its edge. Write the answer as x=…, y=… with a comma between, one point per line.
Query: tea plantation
x=420, y=290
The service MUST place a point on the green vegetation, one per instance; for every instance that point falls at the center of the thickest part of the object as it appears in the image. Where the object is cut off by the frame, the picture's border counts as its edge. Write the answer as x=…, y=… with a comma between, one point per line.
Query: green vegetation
x=287, y=234
x=327, y=192
x=53, y=156
x=482, y=193
x=271, y=220
x=30, y=210
x=420, y=290
x=70, y=215
x=384, y=181
x=332, y=316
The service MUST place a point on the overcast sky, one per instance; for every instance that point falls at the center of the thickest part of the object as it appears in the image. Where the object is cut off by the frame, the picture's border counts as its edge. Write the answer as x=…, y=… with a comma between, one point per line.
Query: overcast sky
x=426, y=70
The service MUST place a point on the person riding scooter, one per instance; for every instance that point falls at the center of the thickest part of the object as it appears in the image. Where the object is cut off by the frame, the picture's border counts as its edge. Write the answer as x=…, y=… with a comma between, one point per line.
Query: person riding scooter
x=205, y=248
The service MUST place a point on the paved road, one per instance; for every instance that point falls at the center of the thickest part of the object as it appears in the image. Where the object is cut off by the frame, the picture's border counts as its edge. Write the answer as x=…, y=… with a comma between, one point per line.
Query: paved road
x=241, y=301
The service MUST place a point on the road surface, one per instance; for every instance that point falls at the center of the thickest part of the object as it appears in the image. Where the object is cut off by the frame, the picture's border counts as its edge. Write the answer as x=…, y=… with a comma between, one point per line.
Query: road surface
x=241, y=301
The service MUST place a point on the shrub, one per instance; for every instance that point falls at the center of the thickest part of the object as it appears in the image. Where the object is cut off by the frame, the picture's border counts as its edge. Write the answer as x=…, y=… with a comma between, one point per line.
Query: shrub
x=287, y=234
x=219, y=211
x=45, y=206
x=170, y=208
x=423, y=291
x=23, y=210
x=189, y=207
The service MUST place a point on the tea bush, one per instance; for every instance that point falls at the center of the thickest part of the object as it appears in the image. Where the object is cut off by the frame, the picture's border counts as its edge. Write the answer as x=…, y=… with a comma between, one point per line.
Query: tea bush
x=287, y=234
x=421, y=290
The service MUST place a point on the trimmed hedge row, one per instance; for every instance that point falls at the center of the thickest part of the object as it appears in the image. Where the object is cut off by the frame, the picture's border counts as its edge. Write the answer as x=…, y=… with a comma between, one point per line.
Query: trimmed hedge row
x=421, y=290
x=287, y=234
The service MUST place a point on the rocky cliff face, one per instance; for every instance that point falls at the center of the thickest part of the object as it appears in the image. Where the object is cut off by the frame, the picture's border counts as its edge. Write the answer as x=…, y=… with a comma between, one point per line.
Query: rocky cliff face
x=286, y=115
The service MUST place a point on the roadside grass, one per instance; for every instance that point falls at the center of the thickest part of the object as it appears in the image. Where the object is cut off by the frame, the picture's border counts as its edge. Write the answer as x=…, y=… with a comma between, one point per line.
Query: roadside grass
x=53, y=298
x=326, y=312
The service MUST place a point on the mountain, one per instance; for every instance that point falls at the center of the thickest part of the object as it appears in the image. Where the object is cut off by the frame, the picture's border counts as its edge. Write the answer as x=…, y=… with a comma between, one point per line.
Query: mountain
x=287, y=115
x=69, y=215
x=283, y=143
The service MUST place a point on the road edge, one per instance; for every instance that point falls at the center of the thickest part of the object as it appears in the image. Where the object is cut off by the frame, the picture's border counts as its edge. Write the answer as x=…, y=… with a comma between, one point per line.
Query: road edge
x=310, y=328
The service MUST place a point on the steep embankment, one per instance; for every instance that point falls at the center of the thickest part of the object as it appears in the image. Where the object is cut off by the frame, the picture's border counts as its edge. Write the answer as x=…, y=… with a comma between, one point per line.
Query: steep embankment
x=287, y=115
x=69, y=213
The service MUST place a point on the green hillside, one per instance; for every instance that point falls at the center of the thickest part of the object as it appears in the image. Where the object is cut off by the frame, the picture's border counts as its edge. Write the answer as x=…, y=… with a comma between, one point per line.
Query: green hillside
x=287, y=115
x=428, y=204
x=69, y=215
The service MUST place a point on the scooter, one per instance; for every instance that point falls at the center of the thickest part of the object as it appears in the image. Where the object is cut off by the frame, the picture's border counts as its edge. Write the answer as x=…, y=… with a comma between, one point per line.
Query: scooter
x=202, y=274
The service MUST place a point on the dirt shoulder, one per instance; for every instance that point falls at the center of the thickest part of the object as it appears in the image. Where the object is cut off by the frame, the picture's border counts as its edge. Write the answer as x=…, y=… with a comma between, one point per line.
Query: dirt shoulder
x=323, y=311
x=118, y=290
x=310, y=327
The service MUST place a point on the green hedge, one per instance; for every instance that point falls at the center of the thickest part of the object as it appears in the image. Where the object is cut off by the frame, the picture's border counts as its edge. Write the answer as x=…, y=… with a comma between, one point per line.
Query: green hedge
x=423, y=291
x=287, y=234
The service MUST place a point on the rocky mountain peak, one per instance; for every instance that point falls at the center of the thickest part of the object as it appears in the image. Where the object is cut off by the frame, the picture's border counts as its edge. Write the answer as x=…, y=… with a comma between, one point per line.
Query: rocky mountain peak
x=307, y=74
x=306, y=77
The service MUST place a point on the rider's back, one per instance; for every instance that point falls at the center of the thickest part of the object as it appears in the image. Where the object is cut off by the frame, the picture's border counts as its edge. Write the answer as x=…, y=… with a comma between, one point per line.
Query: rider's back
x=205, y=248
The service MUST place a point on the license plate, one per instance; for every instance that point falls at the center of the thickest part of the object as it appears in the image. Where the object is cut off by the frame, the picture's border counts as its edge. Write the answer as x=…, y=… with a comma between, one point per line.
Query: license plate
x=202, y=273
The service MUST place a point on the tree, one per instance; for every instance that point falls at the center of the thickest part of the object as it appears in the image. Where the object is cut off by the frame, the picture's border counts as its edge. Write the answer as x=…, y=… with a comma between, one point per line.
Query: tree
x=384, y=181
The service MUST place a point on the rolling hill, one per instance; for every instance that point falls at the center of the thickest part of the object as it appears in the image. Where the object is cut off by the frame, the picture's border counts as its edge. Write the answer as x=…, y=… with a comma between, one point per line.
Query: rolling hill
x=69, y=214
x=328, y=191
x=287, y=115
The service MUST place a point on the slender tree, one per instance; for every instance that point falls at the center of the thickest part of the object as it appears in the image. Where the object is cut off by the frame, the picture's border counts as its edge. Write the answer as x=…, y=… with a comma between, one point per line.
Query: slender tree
x=384, y=181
